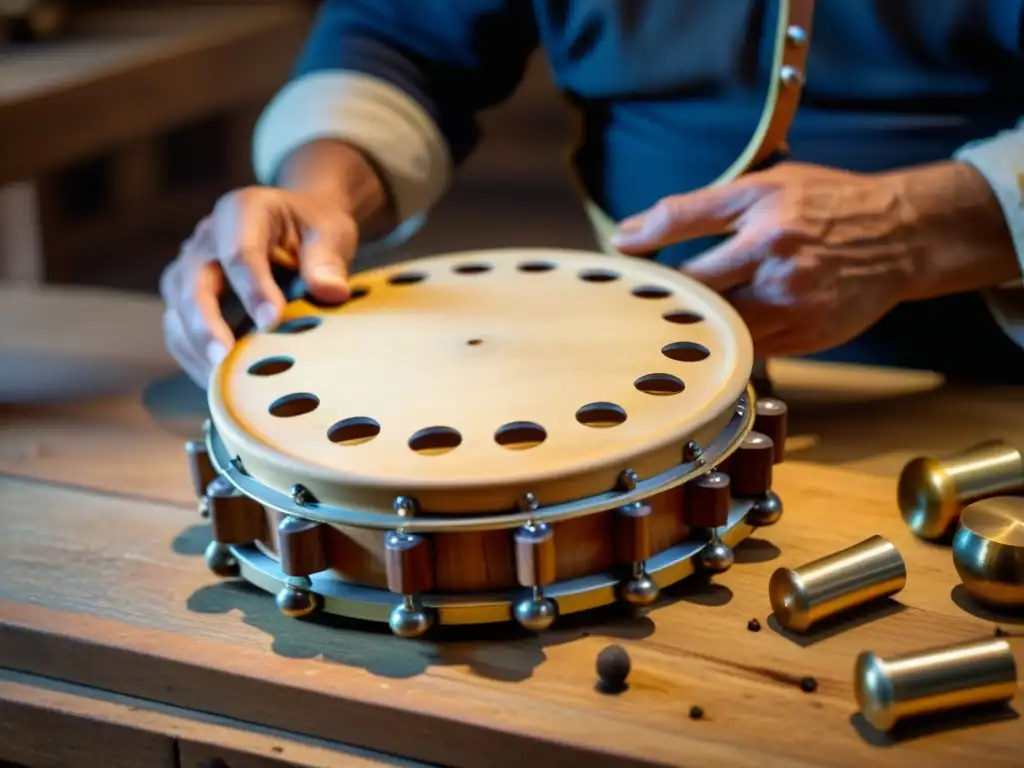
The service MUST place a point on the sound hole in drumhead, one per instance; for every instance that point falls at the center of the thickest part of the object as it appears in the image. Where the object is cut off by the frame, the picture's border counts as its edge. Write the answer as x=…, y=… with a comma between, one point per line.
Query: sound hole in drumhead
x=598, y=275
x=298, y=325
x=518, y=435
x=356, y=293
x=651, y=292
x=309, y=298
x=471, y=269
x=433, y=441
x=682, y=317
x=685, y=351
x=354, y=431
x=601, y=415
x=536, y=266
x=659, y=384
x=294, y=405
x=271, y=366
x=407, y=278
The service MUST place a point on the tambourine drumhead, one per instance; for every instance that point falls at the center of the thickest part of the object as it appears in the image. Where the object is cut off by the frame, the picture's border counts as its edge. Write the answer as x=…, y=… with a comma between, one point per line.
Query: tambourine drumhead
x=507, y=370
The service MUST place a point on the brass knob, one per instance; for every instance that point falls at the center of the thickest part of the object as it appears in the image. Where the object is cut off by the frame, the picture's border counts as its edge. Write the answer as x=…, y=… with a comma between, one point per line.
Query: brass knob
x=932, y=493
x=988, y=551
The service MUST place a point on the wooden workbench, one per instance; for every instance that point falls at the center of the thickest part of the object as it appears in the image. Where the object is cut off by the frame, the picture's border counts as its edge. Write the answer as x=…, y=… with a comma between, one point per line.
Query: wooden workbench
x=118, y=647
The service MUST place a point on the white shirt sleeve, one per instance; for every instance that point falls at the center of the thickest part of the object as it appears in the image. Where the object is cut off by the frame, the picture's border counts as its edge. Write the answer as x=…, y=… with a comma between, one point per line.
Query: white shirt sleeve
x=371, y=114
x=1000, y=159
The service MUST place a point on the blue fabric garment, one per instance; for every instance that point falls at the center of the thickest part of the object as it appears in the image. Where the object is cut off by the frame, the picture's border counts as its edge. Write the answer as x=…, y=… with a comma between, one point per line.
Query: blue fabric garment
x=671, y=90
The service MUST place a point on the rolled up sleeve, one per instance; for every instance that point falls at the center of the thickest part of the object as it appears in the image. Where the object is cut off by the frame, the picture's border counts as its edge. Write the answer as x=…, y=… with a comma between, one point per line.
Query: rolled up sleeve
x=402, y=80
x=1000, y=159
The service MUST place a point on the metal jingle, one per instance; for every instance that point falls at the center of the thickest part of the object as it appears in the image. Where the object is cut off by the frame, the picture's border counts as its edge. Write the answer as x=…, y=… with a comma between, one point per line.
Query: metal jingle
x=569, y=596
x=220, y=559
x=641, y=591
x=717, y=556
x=766, y=511
x=410, y=620
x=295, y=601
x=535, y=613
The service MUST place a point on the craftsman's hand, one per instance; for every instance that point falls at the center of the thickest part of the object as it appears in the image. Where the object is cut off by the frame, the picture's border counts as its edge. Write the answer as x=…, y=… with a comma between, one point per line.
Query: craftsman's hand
x=330, y=195
x=233, y=246
x=815, y=255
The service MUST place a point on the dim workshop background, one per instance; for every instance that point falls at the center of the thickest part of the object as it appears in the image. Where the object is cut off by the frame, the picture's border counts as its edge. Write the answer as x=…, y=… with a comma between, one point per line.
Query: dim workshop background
x=121, y=122
x=120, y=135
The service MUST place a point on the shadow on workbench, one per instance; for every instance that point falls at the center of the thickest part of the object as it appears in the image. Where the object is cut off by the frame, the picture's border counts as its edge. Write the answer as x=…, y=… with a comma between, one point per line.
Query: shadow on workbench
x=498, y=652
x=935, y=723
x=968, y=604
x=372, y=646
x=833, y=626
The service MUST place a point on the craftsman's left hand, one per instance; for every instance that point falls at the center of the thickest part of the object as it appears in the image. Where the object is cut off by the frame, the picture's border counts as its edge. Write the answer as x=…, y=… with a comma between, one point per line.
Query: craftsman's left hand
x=815, y=255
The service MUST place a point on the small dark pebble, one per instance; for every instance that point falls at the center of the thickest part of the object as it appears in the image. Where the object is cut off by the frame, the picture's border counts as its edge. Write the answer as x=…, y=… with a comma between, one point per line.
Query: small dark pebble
x=696, y=712
x=754, y=625
x=613, y=666
x=1000, y=632
x=808, y=685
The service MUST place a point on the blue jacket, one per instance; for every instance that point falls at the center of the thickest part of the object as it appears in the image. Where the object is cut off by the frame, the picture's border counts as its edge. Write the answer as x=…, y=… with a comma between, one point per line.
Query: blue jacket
x=670, y=90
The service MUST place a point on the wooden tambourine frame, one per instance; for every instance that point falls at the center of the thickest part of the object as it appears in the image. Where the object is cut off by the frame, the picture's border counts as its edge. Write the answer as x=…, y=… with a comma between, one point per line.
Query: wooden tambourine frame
x=474, y=408
x=466, y=380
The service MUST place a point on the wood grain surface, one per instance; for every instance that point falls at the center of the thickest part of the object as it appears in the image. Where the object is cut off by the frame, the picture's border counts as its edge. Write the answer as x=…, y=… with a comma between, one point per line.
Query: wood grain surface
x=104, y=587
x=50, y=722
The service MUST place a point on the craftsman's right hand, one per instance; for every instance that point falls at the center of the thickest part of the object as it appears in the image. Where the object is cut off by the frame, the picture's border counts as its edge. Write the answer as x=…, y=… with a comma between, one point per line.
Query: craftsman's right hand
x=233, y=246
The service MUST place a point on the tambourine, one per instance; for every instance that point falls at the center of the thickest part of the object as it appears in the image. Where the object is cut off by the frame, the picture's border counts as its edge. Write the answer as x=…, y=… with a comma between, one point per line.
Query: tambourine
x=488, y=436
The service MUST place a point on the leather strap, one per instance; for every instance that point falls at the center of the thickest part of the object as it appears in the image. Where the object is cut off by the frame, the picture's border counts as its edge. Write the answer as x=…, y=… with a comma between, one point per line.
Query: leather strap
x=789, y=67
x=792, y=43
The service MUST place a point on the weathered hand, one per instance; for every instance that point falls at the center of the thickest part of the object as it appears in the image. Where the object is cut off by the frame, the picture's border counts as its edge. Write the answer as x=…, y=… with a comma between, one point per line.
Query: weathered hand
x=232, y=247
x=815, y=256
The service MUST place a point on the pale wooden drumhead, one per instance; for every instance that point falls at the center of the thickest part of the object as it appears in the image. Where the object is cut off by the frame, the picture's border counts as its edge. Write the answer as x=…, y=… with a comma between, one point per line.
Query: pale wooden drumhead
x=466, y=379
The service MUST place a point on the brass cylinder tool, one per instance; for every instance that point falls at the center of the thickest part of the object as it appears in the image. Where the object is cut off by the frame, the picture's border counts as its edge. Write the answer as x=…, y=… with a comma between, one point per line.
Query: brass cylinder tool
x=988, y=551
x=933, y=680
x=932, y=493
x=867, y=571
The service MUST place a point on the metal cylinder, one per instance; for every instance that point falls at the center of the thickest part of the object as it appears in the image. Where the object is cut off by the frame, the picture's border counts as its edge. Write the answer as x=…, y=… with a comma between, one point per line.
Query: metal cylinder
x=931, y=493
x=934, y=680
x=867, y=571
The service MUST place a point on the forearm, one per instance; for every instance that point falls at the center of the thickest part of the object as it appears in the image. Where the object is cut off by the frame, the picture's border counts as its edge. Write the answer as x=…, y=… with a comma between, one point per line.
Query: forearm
x=959, y=239
x=402, y=81
x=335, y=170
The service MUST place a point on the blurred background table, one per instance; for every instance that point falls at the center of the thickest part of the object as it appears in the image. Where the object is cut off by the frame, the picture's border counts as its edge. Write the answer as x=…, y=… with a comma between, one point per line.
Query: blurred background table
x=117, y=139
x=119, y=134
